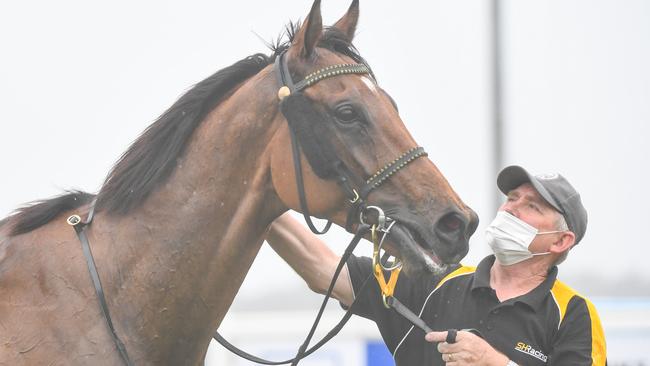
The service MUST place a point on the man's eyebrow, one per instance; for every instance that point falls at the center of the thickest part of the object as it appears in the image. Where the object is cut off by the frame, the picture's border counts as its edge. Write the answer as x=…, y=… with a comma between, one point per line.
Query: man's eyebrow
x=539, y=200
x=527, y=197
x=512, y=194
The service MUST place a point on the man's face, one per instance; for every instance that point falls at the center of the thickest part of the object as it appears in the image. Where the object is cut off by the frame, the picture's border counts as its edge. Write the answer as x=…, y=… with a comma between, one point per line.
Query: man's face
x=526, y=204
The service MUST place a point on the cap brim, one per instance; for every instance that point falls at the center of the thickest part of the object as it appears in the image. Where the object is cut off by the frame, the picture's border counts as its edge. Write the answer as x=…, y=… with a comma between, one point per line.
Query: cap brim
x=513, y=176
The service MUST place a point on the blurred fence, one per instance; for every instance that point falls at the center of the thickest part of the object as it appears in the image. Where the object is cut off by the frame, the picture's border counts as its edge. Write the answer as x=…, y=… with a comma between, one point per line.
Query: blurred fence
x=277, y=335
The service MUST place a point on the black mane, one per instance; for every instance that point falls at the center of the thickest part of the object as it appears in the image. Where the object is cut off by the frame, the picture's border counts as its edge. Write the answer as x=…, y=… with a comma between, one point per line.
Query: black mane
x=151, y=159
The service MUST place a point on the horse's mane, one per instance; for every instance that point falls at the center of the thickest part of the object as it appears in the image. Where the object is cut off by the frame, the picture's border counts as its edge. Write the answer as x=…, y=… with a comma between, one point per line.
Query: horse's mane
x=151, y=159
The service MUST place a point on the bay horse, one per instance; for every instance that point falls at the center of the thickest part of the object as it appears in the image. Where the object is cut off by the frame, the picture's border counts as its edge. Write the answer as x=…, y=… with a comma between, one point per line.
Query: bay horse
x=183, y=213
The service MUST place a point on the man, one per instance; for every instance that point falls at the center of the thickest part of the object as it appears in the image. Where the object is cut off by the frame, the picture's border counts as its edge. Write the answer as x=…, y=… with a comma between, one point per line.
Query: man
x=513, y=308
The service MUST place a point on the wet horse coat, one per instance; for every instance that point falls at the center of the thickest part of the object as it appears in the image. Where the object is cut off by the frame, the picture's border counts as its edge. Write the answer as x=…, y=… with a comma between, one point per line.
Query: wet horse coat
x=183, y=213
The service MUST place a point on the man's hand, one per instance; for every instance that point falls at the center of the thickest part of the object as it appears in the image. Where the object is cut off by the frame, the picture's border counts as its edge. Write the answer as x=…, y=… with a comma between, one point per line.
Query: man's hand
x=469, y=349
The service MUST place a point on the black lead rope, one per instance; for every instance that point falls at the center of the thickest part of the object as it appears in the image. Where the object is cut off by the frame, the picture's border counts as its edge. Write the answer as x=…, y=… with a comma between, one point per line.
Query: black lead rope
x=303, y=351
x=80, y=229
x=361, y=231
x=408, y=314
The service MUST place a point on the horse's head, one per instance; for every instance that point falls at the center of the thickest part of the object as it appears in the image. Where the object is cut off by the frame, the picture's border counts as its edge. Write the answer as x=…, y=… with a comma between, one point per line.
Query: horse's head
x=347, y=123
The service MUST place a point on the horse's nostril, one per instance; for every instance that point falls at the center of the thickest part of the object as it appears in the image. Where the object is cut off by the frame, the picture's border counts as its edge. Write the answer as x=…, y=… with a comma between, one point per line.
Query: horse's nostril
x=451, y=223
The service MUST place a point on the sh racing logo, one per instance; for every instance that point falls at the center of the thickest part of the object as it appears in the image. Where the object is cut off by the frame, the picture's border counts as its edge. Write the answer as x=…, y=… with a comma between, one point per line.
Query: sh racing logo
x=527, y=349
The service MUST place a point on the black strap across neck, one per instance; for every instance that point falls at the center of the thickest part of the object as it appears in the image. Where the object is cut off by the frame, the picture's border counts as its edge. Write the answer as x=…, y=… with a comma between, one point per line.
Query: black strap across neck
x=80, y=228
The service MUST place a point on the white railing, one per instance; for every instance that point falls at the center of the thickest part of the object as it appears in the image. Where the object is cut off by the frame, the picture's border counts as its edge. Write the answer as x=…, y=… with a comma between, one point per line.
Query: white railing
x=277, y=335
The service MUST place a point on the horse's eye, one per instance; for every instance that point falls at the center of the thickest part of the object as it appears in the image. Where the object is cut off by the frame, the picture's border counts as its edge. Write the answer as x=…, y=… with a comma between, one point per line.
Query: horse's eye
x=347, y=114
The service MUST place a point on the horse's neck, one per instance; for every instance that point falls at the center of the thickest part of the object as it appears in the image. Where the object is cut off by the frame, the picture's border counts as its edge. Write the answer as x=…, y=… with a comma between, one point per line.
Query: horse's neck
x=180, y=259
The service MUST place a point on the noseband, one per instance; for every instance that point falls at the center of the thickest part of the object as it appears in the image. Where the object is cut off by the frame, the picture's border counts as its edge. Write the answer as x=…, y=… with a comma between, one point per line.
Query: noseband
x=319, y=153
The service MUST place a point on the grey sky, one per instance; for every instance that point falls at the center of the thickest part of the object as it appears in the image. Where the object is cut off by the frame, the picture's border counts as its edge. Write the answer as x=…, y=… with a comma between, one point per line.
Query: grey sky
x=80, y=80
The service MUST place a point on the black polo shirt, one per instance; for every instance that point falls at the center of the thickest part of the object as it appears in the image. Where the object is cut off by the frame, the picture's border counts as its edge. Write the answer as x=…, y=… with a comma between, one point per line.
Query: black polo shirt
x=551, y=325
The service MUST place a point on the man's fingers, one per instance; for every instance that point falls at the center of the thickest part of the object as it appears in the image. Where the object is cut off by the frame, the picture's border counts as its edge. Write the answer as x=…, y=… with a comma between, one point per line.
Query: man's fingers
x=450, y=336
x=436, y=336
x=444, y=347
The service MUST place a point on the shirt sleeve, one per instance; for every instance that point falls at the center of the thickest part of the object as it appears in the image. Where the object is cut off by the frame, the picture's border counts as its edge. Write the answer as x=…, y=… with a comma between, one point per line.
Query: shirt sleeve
x=367, y=295
x=369, y=302
x=580, y=339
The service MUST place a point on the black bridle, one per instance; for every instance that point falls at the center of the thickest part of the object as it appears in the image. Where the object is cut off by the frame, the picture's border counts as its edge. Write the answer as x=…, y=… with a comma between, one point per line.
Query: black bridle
x=289, y=95
x=324, y=154
x=337, y=171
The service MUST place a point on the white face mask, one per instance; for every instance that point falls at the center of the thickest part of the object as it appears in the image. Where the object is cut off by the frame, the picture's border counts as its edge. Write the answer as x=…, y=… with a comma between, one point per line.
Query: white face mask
x=510, y=237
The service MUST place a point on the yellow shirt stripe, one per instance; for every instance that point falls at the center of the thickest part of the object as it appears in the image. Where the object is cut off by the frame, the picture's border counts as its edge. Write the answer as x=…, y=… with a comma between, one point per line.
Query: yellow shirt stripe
x=458, y=272
x=562, y=295
x=598, y=345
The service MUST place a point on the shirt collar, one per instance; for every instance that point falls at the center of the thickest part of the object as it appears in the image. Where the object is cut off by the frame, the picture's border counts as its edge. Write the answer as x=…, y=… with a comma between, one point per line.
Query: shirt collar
x=534, y=298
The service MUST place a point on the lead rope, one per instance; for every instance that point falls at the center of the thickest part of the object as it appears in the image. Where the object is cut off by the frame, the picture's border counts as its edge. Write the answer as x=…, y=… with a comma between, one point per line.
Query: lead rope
x=303, y=351
x=80, y=228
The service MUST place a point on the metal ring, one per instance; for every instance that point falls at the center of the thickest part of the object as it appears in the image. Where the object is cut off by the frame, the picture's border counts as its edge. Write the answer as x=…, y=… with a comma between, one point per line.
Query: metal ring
x=381, y=217
x=73, y=220
x=451, y=336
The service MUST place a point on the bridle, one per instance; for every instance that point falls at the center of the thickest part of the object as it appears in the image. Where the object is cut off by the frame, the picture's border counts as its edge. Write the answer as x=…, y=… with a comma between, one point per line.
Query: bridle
x=357, y=197
x=336, y=169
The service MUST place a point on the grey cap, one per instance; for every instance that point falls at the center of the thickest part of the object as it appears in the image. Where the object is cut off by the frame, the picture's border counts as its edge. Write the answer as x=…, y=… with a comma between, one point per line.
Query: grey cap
x=555, y=189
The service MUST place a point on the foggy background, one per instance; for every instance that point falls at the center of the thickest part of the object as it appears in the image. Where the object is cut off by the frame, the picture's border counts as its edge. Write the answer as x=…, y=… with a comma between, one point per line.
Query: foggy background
x=80, y=80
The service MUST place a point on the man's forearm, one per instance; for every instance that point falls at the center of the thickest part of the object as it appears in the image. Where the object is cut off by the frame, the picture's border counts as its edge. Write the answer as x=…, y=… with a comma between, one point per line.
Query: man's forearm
x=311, y=258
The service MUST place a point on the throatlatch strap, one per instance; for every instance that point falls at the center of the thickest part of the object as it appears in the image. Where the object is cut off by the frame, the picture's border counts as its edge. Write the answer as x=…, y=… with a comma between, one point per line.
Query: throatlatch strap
x=301, y=187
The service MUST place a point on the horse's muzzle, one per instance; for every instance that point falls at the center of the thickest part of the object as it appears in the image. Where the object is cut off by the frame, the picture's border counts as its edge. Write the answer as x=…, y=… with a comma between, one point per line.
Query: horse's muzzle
x=426, y=249
x=452, y=232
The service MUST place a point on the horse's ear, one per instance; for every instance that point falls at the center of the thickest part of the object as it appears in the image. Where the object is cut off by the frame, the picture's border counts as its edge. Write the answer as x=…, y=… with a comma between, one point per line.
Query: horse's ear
x=348, y=23
x=310, y=32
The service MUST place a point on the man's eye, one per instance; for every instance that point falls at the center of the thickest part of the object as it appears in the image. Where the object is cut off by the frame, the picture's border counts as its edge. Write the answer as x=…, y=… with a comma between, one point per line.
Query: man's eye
x=534, y=207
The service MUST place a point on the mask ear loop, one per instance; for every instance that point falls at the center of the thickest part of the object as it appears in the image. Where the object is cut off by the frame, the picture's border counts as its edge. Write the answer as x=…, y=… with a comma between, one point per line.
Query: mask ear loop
x=543, y=233
x=551, y=232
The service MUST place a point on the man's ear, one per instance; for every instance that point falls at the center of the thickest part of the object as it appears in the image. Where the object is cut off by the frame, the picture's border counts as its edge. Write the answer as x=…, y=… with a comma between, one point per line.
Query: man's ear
x=565, y=242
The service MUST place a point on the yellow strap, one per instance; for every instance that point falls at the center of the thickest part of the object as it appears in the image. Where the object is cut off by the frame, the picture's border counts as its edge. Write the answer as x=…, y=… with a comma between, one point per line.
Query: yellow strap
x=387, y=288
